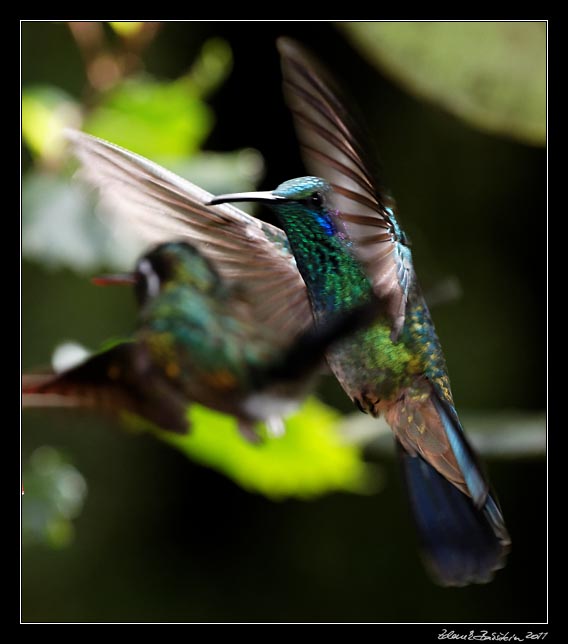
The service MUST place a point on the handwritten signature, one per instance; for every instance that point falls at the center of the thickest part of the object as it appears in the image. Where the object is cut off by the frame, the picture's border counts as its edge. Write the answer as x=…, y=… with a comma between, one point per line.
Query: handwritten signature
x=490, y=636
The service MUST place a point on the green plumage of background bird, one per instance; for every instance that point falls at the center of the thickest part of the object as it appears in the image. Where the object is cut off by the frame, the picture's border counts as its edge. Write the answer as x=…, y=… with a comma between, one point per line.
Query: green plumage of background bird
x=196, y=341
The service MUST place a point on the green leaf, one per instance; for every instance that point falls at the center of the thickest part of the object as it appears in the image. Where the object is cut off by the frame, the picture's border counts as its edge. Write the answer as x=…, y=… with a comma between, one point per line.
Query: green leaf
x=212, y=66
x=155, y=119
x=126, y=29
x=54, y=495
x=311, y=458
x=46, y=111
x=491, y=74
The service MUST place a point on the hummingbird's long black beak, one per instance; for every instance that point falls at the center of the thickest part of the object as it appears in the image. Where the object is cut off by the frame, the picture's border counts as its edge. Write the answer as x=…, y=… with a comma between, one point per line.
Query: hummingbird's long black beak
x=259, y=197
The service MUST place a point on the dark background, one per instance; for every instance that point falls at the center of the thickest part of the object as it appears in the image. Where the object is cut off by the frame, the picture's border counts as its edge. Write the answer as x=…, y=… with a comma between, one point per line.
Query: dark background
x=162, y=539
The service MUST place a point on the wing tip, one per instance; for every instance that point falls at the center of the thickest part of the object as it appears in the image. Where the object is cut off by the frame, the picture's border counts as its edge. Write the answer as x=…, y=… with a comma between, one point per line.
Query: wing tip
x=288, y=46
x=78, y=139
x=73, y=135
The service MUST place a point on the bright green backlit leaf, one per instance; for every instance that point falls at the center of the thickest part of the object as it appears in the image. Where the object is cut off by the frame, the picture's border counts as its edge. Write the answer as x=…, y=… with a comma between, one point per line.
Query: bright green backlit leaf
x=491, y=74
x=46, y=111
x=126, y=29
x=157, y=120
x=309, y=460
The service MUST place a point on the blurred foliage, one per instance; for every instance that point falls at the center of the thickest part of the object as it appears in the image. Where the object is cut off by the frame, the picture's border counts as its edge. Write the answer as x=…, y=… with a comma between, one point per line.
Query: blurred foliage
x=46, y=111
x=212, y=67
x=58, y=226
x=155, y=119
x=165, y=121
x=222, y=172
x=491, y=74
x=126, y=29
x=54, y=493
x=309, y=460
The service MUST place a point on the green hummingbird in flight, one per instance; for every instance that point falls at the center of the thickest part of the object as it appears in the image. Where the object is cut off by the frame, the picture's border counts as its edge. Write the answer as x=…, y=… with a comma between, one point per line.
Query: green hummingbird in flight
x=341, y=247
x=197, y=341
x=348, y=245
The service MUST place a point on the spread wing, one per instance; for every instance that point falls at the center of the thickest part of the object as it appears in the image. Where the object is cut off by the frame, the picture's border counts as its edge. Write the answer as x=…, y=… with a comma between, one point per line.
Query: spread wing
x=331, y=150
x=157, y=205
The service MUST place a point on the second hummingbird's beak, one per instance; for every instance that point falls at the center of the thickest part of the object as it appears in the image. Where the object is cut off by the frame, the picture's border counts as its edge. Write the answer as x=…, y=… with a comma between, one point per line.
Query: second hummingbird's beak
x=117, y=279
x=258, y=197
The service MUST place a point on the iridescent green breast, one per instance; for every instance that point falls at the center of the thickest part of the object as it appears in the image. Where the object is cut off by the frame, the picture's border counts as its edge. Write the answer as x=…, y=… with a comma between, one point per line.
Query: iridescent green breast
x=334, y=278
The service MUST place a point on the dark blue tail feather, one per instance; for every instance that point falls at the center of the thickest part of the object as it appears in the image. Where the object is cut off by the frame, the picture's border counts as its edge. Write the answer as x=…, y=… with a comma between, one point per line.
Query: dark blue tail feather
x=462, y=544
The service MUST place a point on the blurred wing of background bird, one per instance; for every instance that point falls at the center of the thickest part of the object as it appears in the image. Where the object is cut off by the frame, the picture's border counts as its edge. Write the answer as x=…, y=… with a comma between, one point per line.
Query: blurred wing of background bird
x=119, y=379
x=157, y=205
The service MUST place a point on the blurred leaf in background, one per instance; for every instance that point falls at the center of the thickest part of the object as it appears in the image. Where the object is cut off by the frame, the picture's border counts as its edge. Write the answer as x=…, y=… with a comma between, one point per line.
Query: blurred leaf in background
x=167, y=121
x=309, y=460
x=46, y=111
x=126, y=29
x=54, y=494
x=491, y=74
x=159, y=120
x=222, y=172
x=59, y=229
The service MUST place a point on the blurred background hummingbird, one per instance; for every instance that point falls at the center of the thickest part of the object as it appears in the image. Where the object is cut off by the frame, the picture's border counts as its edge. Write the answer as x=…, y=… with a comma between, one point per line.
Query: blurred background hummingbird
x=342, y=244
x=197, y=341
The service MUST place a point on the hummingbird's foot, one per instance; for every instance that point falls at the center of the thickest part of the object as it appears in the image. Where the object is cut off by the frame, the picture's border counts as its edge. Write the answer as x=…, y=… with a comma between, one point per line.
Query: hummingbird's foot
x=367, y=404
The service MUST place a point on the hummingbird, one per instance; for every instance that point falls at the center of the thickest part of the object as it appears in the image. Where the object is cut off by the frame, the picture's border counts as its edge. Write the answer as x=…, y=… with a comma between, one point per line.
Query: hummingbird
x=342, y=245
x=348, y=245
x=197, y=340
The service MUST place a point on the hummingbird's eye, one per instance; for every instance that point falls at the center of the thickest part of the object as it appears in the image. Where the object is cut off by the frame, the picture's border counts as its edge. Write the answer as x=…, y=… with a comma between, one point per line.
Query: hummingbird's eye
x=316, y=199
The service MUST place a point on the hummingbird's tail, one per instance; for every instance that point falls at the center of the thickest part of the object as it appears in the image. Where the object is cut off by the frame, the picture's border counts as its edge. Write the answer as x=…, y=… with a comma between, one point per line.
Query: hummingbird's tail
x=462, y=544
x=460, y=525
x=111, y=382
